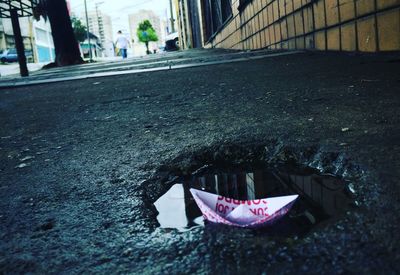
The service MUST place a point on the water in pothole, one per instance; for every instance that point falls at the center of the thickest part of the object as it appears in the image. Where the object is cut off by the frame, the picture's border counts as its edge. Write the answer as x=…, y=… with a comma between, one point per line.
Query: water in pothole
x=321, y=196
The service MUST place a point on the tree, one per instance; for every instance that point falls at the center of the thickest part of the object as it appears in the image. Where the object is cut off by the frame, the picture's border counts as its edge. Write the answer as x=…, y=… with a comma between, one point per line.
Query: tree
x=79, y=29
x=146, y=33
x=65, y=44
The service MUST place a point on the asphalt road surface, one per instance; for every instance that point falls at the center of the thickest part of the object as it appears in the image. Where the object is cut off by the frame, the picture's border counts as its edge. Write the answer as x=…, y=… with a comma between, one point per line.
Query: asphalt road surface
x=83, y=161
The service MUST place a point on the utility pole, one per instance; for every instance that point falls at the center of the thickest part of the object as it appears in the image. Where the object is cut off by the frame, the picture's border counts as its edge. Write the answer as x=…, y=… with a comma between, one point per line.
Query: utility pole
x=87, y=33
x=19, y=43
x=34, y=56
x=172, y=16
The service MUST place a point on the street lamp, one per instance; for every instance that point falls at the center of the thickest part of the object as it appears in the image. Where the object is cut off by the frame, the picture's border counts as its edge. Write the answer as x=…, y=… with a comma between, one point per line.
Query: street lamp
x=172, y=17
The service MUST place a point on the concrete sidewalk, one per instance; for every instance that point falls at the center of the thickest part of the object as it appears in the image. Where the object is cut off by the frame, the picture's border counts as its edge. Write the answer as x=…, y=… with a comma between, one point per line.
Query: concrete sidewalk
x=12, y=69
x=82, y=162
x=150, y=63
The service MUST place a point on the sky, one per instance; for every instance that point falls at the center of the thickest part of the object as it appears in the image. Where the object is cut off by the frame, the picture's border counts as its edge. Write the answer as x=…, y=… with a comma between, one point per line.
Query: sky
x=119, y=9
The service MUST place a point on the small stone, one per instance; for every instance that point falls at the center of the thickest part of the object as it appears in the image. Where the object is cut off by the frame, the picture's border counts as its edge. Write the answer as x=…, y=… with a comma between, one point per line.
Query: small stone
x=27, y=158
x=345, y=129
x=351, y=188
x=22, y=165
x=127, y=252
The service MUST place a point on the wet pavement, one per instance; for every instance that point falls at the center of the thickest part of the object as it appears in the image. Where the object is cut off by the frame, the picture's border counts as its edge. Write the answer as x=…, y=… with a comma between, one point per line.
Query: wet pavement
x=83, y=162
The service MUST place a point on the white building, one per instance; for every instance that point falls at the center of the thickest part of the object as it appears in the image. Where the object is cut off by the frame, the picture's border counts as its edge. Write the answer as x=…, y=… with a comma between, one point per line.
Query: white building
x=101, y=26
x=43, y=41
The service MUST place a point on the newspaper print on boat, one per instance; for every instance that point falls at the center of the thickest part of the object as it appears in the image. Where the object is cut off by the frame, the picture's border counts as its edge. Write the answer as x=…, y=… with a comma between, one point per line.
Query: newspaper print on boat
x=242, y=213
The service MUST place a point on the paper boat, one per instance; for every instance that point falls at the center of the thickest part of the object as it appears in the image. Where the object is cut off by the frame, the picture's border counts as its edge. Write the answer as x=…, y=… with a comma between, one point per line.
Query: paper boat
x=242, y=213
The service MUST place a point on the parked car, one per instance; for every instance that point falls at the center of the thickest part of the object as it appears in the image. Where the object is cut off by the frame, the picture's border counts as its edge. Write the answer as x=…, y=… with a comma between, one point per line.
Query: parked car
x=172, y=42
x=11, y=56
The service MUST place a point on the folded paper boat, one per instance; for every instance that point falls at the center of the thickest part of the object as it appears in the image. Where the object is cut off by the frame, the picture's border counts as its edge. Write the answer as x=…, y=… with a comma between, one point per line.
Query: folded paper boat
x=242, y=213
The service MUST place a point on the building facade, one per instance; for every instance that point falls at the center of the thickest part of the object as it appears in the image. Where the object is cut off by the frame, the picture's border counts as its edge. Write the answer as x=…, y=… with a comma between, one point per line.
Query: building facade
x=7, y=34
x=93, y=49
x=43, y=41
x=334, y=25
x=36, y=36
x=101, y=26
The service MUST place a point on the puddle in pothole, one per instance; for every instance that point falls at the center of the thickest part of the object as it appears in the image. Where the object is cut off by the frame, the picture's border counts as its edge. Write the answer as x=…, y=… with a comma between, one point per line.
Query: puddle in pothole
x=321, y=196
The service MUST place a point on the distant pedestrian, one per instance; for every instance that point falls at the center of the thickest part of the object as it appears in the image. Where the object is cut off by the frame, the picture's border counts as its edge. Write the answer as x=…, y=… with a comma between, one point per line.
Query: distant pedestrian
x=122, y=44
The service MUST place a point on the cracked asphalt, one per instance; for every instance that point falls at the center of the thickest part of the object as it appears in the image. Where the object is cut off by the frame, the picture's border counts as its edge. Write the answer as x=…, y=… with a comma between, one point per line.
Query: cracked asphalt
x=82, y=162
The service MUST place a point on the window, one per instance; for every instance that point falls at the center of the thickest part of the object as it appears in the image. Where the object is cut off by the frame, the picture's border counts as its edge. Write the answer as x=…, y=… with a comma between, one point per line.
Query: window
x=226, y=9
x=216, y=13
x=243, y=4
x=41, y=36
x=207, y=19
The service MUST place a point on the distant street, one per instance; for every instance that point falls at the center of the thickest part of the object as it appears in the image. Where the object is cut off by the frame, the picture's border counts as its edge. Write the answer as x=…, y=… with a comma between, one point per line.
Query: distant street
x=117, y=66
x=82, y=161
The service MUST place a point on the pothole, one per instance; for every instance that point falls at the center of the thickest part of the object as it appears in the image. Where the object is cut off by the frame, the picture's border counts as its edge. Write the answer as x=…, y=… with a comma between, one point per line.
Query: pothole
x=322, y=197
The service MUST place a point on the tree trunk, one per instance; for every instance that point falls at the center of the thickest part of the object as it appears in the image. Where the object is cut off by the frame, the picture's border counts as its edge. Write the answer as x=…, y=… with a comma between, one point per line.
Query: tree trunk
x=65, y=43
x=147, y=47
